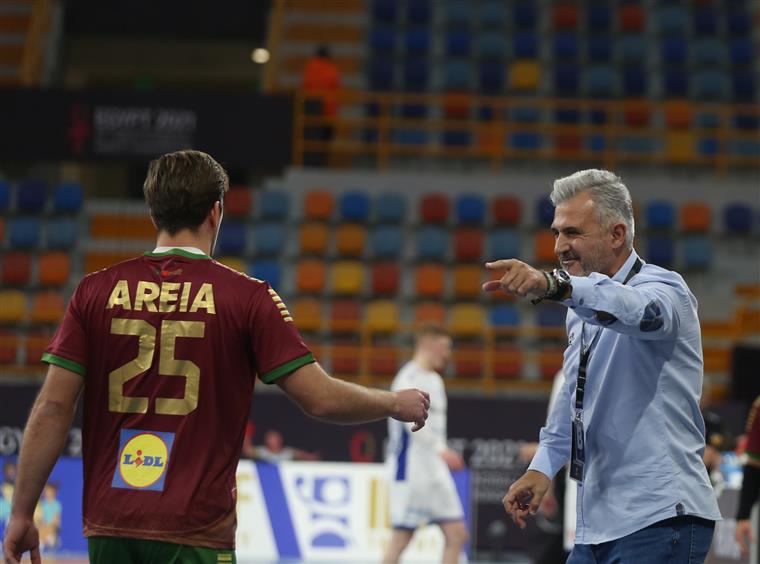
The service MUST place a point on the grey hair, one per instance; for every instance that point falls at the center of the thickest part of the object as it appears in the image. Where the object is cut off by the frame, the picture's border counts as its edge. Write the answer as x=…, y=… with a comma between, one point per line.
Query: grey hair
x=612, y=199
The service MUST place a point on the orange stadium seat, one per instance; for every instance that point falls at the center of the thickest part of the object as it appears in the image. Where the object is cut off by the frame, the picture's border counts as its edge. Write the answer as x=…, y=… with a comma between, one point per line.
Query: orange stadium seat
x=345, y=316
x=9, y=344
x=637, y=113
x=310, y=276
x=695, y=217
x=507, y=361
x=34, y=345
x=549, y=362
x=347, y=277
x=47, y=308
x=17, y=268
x=382, y=316
x=350, y=239
x=98, y=260
x=678, y=114
x=238, y=202
x=468, y=243
x=429, y=312
x=544, y=247
x=54, y=269
x=345, y=359
x=307, y=314
x=318, y=205
x=467, y=320
x=120, y=226
x=386, y=277
x=13, y=306
x=314, y=238
x=467, y=280
x=430, y=280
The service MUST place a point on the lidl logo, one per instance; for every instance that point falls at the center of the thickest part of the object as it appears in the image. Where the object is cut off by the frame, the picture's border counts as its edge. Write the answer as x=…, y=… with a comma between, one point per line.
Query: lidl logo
x=143, y=460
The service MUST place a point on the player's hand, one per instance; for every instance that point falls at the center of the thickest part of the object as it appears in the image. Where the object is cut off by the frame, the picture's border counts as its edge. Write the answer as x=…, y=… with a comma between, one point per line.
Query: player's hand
x=21, y=536
x=519, y=279
x=452, y=459
x=525, y=495
x=412, y=406
x=744, y=534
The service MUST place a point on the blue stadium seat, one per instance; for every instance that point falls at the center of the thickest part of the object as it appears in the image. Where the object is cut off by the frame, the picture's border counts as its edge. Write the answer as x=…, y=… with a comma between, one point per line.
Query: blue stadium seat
x=672, y=20
x=746, y=121
x=274, y=204
x=633, y=49
x=660, y=250
x=639, y=144
x=417, y=41
x=660, y=215
x=739, y=22
x=24, y=233
x=566, y=79
x=432, y=243
x=705, y=20
x=544, y=211
x=418, y=12
x=493, y=14
x=456, y=138
x=565, y=46
x=68, y=197
x=567, y=115
x=697, y=252
x=31, y=196
x=599, y=16
x=744, y=86
x=410, y=137
x=354, y=206
x=524, y=15
x=386, y=241
x=491, y=77
x=458, y=13
x=674, y=50
x=413, y=111
x=599, y=48
x=493, y=46
x=5, y=194
x=551, y=315
x=232, y=237
x=708, y=51
x=741, y=50
x=384, y=10
x=737, y=218
x=390, y=208
x=383, y=40
x=707, y=147
x=635, y=79
x=458, y=43
x=470, y=208
x=457, y=75
x=600, y=81
x=709, y=85
x=595, y=143
x=525, y=45
x=416, y=76
x=381, y=74
x=525, y=114
x=268, y=270
x=504, y=315
x=597, y=116
x=269, y=239
x=503, y=243
x=62, y=233
x=525, y=140
x=745, y=148
x=676, y=81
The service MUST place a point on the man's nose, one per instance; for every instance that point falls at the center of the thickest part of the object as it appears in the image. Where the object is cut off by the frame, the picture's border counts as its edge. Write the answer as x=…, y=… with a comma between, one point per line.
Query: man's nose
x=561, y=244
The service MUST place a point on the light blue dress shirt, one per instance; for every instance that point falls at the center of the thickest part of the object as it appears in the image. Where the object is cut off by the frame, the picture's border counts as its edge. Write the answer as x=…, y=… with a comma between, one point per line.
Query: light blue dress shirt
x=644, y=431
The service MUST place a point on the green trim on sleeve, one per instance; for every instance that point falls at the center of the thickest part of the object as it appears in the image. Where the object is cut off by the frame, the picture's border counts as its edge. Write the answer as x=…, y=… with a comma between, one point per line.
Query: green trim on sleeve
x=64, y=363
x=287, y=368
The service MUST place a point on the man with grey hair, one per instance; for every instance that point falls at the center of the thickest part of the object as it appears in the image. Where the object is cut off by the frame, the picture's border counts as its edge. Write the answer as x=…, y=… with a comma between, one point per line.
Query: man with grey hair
x=627, y=418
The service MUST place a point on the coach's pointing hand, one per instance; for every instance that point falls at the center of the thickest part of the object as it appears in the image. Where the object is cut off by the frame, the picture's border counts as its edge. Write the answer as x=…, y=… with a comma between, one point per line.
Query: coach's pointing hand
x=412, y=406
x=519, y=278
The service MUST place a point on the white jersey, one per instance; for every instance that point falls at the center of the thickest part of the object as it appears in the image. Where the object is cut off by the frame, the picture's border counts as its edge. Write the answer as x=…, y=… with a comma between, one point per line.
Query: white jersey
x=421, y=487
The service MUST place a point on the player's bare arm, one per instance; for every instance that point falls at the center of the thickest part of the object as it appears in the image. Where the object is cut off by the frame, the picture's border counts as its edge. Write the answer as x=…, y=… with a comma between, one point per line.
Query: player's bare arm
x=327, y=398
x=44, y=439
x=519, y=278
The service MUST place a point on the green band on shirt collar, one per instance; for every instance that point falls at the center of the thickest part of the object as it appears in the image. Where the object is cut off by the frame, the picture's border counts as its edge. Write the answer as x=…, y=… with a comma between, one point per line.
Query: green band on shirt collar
x=181, y=252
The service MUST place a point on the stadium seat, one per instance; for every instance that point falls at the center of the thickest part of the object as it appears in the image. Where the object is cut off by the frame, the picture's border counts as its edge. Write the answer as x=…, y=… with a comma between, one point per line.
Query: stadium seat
x=13, y=306
x=738, y=21
x=467, y=281
x=507, y=361
x=47, y=308
x=672, y=20
x=390, y=208
x=430, y=280
x=382, y=316
x=54, y=269
x=98, y=260
x=503, y=243
x=695, y=217
x=386, y=241
x=238, y=202
x=660, y=250
x=345, y=355
x=544, y=211
x=744, y=87
x=432, y=243
x=524, y=75
x=705, y=20
x=384, y=360
x=470, y=208
x=268, y=270
x=506, y=210
x=635, y=80
x=350, y=239
x=416, y=77
x=525, y=140
x=543, y=243
x=467, y=320
x=310, y=276
x=678, y=114
x=232, y=238
x=468, y=360
x=660, y=215
x=318, y=205
x=551, y=315
x=525, y=45
x=10, y=343
x=737, y=218
x=492, y=77
x=633, y=49
x=386, y=278
x=741, y=50
x=565, y=16
x=458, y=14
x=598, y=17
x=697, y=252
x=34, y=346
x=457, y=75
x=345, y=316
x=273, y=205
x=458, y=43
x=565, y=46
x=549, y=362
x=434, y=208
x=24, y=232
x=674, y=50
x=709, y=84
x=384, y=10
x=600, y=81
x=269, y=239
x=636, y=112
x=122, y=226
x=493, y=46
x=62, y=233
x=599, y=48
x=68, y=197
x=493, y=14
x=416, y=42
x=429, y=312
x=314, y=238
x=676, y=81
x=468, y=243
x=31, y=196
x=679, y=146
x=347, y=277
x=504, y=315
x=524, y=14
x=354, y=206
x=380, y=74
x=382, y=40
x=631, y=17
x=307, y=314
x=5, y=194
x=16, y=267
x=707, y=147
x=418, y=12
x=708, y=52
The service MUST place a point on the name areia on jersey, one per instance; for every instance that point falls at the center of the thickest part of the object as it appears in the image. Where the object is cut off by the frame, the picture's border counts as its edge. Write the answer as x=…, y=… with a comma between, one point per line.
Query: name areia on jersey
x=169, y=296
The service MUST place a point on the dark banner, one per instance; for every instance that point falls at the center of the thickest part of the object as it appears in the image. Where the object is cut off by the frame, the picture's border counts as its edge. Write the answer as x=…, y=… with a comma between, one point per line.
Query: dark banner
x=248, y=130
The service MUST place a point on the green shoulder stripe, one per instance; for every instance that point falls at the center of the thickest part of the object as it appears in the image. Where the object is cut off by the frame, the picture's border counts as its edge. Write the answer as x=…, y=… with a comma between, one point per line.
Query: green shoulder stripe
x=64, y=363
x=287, y=368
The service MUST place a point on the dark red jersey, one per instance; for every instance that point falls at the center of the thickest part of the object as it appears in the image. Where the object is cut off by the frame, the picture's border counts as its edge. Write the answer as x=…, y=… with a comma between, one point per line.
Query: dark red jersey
x=753, y=431
x=169, y=345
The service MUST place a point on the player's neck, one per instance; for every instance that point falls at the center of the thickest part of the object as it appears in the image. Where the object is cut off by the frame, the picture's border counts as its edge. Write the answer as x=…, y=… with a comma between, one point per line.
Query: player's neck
x=423, y=361
x=184, y=238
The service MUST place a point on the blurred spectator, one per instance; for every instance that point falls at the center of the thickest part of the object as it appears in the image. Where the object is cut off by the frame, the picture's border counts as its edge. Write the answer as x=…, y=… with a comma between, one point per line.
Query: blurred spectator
x=751, y=481
x=321, y=80
x=49, y=518
x=274, y=450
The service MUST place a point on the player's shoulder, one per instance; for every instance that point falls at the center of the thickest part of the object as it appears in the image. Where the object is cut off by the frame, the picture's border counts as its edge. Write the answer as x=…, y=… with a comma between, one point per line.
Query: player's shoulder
x=103, y=277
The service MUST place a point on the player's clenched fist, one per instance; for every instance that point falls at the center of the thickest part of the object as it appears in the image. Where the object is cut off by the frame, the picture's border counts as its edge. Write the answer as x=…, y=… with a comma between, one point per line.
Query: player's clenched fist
x=412, y=406
x=519, y=278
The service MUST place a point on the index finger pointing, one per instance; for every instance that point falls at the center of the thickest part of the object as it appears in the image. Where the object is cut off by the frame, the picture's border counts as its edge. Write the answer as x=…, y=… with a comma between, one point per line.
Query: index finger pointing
x=504, y=264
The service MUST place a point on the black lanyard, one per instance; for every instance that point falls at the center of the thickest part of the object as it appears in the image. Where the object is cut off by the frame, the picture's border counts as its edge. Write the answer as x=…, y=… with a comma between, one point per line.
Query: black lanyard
x=580, y=387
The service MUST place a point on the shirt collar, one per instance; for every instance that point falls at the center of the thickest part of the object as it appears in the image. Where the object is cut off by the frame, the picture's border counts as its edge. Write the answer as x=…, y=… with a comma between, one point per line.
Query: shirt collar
x=626, y=268
x=194, y=250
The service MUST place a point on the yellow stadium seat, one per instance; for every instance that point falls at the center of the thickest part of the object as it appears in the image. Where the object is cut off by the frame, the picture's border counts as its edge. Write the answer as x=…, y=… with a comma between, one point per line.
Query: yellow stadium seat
x=47, y=308
x=347, y=277
x=307, y=314
x=382, y=316
x=468, y=280
x=13, y=306
x=679, y=146
x=349, y=239
x=467, y=320
x=525, y=75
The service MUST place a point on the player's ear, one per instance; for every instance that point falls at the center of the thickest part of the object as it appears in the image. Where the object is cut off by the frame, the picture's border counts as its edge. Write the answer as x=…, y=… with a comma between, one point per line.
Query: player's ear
x=153, y=221
x=215, y=214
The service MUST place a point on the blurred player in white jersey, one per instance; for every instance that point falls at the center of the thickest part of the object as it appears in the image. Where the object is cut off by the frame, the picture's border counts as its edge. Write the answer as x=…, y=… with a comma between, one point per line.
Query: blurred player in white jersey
x=422, y=490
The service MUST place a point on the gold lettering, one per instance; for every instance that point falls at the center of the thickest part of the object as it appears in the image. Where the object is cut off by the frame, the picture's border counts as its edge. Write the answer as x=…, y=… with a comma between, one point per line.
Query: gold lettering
x=168, y=296
x=147, y=292
x=185, y=296
x=146, y=333
x=204, y=299
x=170, y=366
x=120, y=296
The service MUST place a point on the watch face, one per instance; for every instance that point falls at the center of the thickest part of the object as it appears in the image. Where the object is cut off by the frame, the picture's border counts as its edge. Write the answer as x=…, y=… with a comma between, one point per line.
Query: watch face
x=562, y=275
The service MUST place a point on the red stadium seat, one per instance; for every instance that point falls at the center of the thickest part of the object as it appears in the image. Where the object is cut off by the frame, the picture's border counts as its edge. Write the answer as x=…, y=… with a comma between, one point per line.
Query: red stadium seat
x=637, y=113
x=386, y=277
x=17, y=268
x=565, y=16
x=34, y=345
x=345, y=359
x=568, y=143
x=507, y=361
x=678, y=114
x=434, y=208
x=632, y=17
x=468, y=360
x=345, y=316
x=468, y=243
x=384, y=360
x=47, y=308
x=238, y=202
x=549, y=362
x=9, y=344
x=506, y=210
